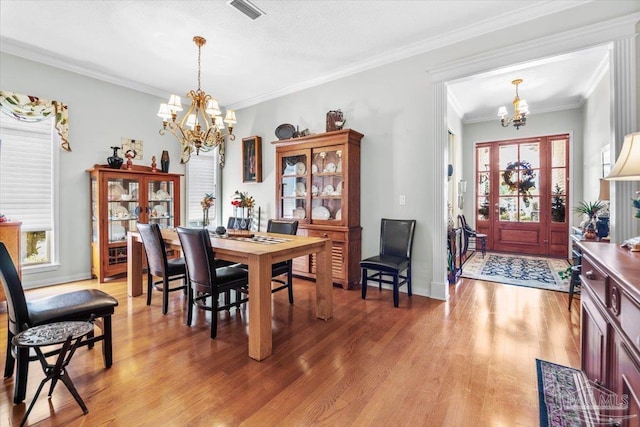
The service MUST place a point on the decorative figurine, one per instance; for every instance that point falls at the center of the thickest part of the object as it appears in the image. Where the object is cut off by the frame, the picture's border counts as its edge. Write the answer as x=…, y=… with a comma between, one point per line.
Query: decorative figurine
x=130, y=154
x=153, y=164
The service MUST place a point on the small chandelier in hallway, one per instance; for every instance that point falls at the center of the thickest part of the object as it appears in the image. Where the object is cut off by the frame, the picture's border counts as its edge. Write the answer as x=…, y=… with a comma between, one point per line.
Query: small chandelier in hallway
x=520, y=110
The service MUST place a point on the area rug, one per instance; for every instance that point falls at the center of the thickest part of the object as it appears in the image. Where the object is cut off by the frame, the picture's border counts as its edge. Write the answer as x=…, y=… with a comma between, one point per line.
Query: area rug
x=565, y=397
x=533, y=272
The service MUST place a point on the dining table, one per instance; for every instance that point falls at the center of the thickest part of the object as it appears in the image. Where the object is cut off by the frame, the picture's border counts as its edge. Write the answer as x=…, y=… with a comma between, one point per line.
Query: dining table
x=258, y=253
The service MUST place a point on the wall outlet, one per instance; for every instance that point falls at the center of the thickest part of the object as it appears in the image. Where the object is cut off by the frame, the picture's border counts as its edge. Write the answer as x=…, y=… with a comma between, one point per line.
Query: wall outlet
x=403, y=200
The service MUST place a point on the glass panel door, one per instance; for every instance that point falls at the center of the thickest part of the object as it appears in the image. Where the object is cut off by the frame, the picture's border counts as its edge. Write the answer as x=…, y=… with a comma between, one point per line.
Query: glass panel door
x=326, y=190
x=123, y=207
x=293, y=202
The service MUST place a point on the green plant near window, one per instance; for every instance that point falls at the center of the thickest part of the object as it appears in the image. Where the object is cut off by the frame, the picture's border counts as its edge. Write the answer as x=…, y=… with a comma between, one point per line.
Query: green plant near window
x=589, y=208
x=558, y=208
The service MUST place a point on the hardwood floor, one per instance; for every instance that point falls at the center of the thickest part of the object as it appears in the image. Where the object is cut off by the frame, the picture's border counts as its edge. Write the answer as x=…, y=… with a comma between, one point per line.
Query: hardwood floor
x=468, y=361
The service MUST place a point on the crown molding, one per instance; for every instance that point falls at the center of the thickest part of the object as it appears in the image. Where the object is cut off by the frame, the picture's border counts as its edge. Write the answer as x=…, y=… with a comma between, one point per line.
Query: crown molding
x=454, y=104
x=597, y=75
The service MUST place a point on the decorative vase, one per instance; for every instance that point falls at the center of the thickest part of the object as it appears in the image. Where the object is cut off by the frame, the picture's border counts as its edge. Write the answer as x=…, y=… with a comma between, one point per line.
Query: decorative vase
x=115, y=161
x=164, y=161
x=205, y=218
x=602, y=227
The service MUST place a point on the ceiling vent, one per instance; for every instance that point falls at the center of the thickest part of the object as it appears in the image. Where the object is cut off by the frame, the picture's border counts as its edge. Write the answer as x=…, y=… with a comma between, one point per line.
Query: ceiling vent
x=246, y=7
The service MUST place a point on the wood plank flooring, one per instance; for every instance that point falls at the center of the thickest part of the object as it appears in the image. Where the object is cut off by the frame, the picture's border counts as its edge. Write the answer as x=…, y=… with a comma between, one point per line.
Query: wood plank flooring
x=468, y=361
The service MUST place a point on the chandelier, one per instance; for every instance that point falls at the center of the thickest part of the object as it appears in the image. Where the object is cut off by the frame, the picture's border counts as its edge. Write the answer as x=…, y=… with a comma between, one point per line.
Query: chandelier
x=202, y=127
x=520, y=110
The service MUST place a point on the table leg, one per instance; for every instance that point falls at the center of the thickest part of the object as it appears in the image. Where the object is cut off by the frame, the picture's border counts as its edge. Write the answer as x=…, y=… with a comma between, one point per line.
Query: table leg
x=260, y=338
x=134, y=266
x=324, y=283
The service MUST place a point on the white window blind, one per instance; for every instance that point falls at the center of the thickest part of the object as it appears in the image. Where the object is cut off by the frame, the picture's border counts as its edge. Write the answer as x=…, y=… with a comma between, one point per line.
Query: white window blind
x=26, y=172
x=201, y=179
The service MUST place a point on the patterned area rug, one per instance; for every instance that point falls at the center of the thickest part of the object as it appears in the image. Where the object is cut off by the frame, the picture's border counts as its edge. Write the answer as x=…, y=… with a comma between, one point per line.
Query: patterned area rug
x=533, y=272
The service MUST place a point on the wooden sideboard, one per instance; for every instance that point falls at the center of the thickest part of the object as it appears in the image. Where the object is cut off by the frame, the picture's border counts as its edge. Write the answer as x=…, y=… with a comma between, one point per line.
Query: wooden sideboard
x=10, y=236
x=610, y=322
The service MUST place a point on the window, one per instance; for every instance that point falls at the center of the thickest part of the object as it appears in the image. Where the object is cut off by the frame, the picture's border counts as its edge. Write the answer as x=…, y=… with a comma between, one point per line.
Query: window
x=201, y=179
x=27, y=184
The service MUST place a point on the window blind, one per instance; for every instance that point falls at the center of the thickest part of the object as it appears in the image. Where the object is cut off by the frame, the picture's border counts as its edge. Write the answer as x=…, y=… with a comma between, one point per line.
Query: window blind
x=201, y=179
x=26, y=172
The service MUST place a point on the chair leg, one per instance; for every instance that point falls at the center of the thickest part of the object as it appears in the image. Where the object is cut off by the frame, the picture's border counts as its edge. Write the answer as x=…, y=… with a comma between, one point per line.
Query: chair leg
x=396, y=292
x=189, y=305
x=214, y=313
x=290, y=284
x=483, y=243
x=409, y=292
x=10, y=361
x=149, y=288
x=364, y=283
x=107, y=342
x=22, y=374
x=165, y=295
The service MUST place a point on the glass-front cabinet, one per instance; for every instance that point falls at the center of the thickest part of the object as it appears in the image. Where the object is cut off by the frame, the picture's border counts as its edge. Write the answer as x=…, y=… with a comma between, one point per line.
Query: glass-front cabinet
x=318, y=183
x=120, y=198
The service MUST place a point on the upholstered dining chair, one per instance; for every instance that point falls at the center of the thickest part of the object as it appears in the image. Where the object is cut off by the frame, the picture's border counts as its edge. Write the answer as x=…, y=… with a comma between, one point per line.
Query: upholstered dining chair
x=282, y=226
x=467, y=234
x=396, y=242
x=84, y=305
x=159, y=265
x=204, y=279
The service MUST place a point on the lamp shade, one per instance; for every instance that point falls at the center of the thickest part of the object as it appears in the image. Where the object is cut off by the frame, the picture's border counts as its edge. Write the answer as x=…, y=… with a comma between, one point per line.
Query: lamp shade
x=604, y=190
x=627, y=167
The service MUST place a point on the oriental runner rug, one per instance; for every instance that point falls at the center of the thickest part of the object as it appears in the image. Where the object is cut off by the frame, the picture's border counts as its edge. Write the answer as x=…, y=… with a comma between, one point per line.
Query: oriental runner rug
x=529, y=271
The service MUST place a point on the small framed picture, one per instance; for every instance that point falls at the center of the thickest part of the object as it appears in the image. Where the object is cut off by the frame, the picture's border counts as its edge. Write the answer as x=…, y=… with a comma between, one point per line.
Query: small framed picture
x=252, y=159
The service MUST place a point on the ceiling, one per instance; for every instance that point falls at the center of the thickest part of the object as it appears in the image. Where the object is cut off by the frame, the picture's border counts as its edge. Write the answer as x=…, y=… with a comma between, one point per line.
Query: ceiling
x=148, y=46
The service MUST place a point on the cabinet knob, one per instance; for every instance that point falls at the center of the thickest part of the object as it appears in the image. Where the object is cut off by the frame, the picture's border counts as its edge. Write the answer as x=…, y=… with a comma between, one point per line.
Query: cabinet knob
x=590, y=275
x=326, y=235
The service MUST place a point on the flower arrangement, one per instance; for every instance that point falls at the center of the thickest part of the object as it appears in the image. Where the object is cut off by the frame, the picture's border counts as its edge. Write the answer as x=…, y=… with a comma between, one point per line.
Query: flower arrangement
x=206, y=203
x=242, y=200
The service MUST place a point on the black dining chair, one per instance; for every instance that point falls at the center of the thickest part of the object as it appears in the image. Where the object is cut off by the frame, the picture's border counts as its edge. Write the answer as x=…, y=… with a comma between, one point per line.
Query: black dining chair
x=236, y=223
x=85, y=305
x=467, y=234
x=159, y=265
x=204, y=280
x=396, y=242
x=289, y=227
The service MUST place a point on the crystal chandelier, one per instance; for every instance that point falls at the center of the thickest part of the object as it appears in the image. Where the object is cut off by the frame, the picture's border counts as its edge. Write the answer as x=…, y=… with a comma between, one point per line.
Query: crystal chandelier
x=520, y=110
x=202, y=127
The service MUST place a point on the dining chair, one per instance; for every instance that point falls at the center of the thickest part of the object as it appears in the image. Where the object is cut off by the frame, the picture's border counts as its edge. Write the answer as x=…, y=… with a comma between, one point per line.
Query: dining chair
x=236, y=223
x=396, y=242
x=159, y=265
x=282, y=226
x=204, y=280
x=85, y=305
x=468, y=233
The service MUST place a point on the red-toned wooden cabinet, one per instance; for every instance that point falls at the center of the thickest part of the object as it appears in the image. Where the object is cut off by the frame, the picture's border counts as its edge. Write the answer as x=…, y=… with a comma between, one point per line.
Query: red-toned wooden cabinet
x=119, y=199
x=318, y=183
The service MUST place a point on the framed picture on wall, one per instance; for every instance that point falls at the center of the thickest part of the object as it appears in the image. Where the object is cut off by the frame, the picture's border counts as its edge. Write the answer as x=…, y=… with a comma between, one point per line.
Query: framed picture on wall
x=252, y=159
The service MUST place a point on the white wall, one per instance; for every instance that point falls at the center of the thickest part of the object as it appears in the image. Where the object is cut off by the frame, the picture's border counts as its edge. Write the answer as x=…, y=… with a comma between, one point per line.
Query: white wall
x=100, y=114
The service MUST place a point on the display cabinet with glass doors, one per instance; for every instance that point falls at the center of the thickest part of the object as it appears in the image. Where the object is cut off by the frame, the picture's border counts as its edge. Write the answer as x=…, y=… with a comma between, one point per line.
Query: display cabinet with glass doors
x=318, y=183
x=119, y=199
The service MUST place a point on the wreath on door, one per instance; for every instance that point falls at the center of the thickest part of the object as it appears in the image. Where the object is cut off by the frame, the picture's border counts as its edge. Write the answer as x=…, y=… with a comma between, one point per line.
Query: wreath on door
x=520, y=177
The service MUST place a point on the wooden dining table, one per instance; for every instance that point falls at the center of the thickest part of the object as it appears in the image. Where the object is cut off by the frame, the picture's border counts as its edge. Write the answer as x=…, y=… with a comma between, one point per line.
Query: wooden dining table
x=259, y=257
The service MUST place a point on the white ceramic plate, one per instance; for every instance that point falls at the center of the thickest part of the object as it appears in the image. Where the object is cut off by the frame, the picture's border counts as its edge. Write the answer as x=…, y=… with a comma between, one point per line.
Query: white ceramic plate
x=120, y=212
x=301, y=189
x=314, y=168
x=162, y=195
x=320, y=212
x=134, y=194
x=115, y=191
x=299, y=213
x=330, y=167
x=160, y=210
x=339, y=188
x=328, y=189
x=339, y=214
x=314, y=190
x=301, y=168
x=118, y=232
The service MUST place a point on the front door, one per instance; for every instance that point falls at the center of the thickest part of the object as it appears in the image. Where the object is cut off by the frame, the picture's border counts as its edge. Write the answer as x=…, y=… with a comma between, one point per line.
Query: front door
x=522, y=193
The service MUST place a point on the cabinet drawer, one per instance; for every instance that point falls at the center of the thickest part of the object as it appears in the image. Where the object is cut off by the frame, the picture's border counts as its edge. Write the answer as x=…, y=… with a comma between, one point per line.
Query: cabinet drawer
x=630, y=319
x=333, y=235
x=595, y=279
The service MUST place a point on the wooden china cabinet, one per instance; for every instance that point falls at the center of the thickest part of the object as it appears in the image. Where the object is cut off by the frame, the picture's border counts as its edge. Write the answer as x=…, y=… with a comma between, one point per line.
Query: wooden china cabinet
x=119, y=199
x=318, y=183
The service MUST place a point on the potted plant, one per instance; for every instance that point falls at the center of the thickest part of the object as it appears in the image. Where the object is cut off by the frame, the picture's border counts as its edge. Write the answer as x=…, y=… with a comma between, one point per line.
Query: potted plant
x=590, y=209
